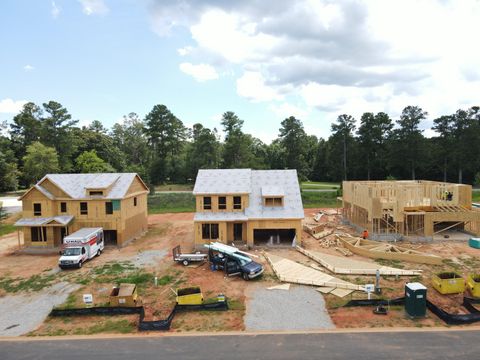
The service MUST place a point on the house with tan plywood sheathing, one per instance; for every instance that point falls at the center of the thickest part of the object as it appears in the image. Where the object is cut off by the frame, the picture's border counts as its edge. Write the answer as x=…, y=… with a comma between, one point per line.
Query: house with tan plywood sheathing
x=411, y=209
x=60, y=204
x=253, y=207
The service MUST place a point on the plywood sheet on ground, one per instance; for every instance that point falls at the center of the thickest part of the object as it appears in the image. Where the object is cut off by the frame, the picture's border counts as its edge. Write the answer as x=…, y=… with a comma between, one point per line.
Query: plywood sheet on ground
x=325, y=290
x=341, y=292
x=292, y=272
x=341, y=265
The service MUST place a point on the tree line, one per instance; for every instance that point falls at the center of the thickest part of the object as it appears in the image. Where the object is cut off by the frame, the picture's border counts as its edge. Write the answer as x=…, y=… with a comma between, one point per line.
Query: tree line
x=46, y=139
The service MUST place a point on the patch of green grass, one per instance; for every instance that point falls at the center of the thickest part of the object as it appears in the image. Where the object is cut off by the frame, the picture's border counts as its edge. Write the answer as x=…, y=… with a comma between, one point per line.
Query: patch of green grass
x=476, y=195
x=451, y=264
x=83, y=281
x=110, y=326
x=138, y=277
x=174, y=187
x=171, y=203
x=164, y=280
x=33, y=283
x=69, y=303
x=6, y=229
x=114, y=268
x=392, y=263
x=235, y=304
x=319, y=185
x=316, y=199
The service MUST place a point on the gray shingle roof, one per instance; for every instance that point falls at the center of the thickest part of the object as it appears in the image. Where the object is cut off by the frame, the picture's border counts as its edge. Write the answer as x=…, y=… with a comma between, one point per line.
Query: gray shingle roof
x=255, y=183
x=76, y=185
x=223, y=181
x=63, y=219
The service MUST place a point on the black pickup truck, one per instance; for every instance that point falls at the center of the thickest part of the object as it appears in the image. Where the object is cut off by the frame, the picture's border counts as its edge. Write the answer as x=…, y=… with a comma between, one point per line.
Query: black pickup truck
x=235, y=264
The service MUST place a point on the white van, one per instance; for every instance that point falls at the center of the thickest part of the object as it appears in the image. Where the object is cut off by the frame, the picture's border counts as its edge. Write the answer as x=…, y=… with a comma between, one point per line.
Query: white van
x=81, y=246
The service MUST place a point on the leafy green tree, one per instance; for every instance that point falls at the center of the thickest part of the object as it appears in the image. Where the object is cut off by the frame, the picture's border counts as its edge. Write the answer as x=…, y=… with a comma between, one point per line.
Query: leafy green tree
x=320, y=168
x=236, y=147
x=8, y=166
x=445, y=141
x=466, y=134
x=89, y=162
x=166, y=135
x=39, y=161
x=275, y=155
x=293, y=139
x=342, y=135
x=204, y=150
x=373, y=134
x=25, y=129
x=129, y=137
x=96, y=137
x=409, y=138
x=56, y=132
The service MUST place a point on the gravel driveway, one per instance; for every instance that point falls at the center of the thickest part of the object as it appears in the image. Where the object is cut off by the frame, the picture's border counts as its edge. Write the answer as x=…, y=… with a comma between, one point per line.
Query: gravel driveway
x=300, y=308
x=20, y=314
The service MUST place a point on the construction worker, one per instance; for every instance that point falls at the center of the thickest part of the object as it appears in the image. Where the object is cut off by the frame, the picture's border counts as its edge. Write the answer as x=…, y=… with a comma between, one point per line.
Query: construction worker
x=365, y=234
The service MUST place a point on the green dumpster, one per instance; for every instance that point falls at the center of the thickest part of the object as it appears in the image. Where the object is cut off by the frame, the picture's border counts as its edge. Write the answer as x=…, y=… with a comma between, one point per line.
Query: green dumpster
x=415, y=299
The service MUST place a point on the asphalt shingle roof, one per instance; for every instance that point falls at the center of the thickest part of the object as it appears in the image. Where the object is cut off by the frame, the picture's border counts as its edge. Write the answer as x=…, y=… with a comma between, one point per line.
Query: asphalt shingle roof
x=256, y=183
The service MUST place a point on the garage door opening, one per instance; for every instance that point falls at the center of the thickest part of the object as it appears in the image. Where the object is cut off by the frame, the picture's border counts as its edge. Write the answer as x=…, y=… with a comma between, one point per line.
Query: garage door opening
x=273, y=237
x=110, y=237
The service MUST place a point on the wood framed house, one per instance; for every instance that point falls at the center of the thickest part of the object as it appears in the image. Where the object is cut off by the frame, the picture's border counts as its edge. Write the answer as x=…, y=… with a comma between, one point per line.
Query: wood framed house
x=255, y=207
x=60, y=204
x=410, y=209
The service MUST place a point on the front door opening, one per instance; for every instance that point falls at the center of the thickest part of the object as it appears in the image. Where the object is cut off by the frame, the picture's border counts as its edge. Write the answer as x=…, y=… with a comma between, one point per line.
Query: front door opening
x=237, y=232
x=274, y=237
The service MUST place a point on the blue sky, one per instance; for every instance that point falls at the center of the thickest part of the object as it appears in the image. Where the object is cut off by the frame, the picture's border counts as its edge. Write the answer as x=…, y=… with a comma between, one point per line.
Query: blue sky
x=313, y=59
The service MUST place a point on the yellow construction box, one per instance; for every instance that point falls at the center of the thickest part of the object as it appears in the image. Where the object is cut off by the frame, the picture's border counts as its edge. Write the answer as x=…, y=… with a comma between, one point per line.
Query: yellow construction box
x=189, y=296
x=473, y=284
x=448, y=283
x=125, y=295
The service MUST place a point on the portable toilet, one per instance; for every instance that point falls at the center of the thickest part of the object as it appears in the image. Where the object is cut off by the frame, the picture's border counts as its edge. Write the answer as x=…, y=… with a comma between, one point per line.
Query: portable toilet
x=415, y=299
x=474, y=243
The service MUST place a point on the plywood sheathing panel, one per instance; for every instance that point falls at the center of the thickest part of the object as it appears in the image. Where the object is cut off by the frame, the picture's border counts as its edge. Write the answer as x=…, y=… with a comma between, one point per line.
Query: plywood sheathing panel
x=377, y=250
x=342, y=265
x=289, y=271
x=341, y=292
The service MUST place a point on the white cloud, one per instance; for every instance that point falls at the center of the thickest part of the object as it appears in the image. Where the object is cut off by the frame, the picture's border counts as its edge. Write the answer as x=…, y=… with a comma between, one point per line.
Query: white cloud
x=252, y=86
x=9, y=106
x=201, y=72
x=55, y=10
x=28, y=68
x=339, y=57
x=285, y=110
x=185, y=50
x=94, y=7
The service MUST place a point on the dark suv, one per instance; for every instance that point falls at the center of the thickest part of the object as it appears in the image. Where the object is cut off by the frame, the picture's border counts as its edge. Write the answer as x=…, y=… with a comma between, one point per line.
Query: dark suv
x=235, y=264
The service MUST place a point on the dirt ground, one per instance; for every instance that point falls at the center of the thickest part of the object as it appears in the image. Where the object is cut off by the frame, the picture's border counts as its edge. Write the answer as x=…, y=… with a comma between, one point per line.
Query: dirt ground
x=169, y=230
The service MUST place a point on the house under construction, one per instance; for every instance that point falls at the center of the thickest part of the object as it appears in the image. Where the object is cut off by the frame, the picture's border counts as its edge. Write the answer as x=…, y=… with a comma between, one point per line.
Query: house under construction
x=415, y=209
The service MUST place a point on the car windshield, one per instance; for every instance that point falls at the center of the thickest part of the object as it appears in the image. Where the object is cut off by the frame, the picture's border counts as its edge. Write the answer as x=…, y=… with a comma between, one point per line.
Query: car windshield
x=244, y=260
x=71, y=251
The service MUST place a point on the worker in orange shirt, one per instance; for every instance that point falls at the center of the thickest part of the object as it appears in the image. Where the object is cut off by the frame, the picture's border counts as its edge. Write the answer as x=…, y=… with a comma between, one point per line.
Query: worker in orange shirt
x=365, y=234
